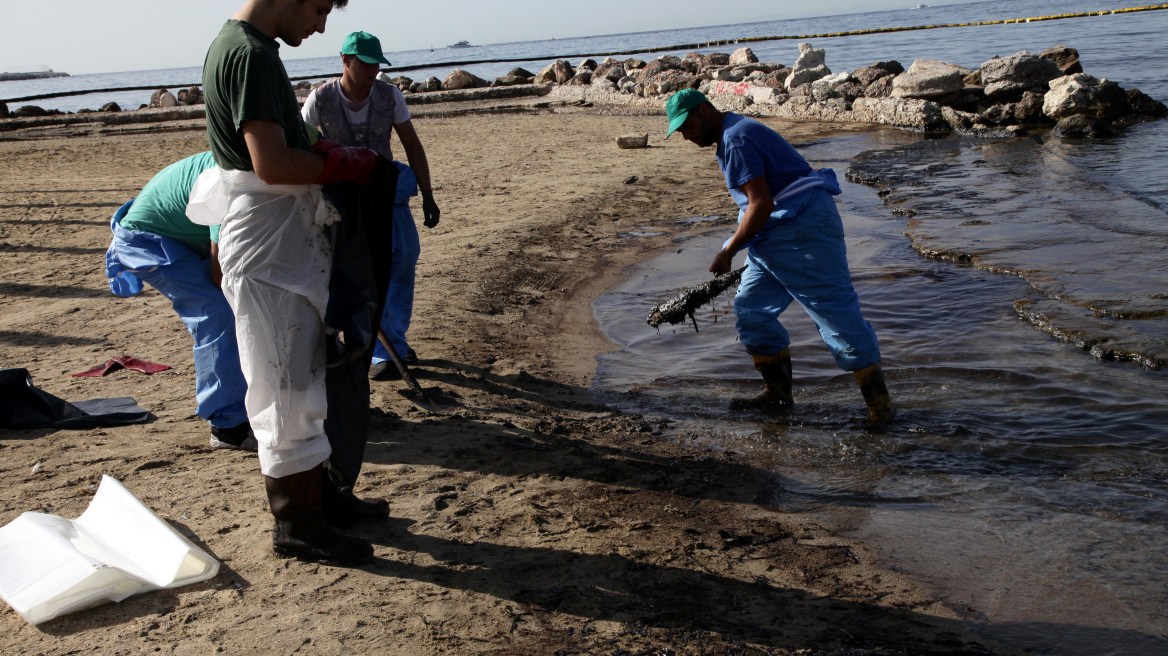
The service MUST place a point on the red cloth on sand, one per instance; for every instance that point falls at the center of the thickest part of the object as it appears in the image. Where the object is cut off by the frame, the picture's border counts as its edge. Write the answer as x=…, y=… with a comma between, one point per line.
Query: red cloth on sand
x=120, y=361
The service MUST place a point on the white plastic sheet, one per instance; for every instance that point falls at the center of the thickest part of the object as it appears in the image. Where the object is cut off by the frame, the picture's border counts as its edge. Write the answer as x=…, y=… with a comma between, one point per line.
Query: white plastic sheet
x=50, y=566
x=270, y=233
x=276, y=262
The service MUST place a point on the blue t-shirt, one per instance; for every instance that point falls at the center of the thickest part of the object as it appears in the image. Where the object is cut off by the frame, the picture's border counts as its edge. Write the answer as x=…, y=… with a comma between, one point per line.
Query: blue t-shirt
x=749, y=149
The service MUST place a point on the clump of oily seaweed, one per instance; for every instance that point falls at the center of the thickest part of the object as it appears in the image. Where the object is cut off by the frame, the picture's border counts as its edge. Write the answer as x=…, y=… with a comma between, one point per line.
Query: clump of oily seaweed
x=681, y=306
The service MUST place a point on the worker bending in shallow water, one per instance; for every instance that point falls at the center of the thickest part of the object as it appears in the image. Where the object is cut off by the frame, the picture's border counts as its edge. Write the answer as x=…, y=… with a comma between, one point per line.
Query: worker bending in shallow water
x=794, y=237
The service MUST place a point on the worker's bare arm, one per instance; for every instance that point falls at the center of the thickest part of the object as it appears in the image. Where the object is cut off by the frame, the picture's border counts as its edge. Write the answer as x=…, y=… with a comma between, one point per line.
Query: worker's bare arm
x=276, y=163
x=415, y=153
x=216, y=268
x=754, y=219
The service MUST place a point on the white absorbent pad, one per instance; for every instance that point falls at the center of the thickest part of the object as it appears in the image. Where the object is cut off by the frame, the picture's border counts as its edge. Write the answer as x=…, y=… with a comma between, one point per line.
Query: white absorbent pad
x=50, y=566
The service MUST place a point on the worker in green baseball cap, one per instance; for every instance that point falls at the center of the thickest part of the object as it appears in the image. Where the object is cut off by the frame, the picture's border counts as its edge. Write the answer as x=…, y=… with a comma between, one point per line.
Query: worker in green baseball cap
x=363, y=109
x=678, y=106
x=793, y=234
x=365, y=46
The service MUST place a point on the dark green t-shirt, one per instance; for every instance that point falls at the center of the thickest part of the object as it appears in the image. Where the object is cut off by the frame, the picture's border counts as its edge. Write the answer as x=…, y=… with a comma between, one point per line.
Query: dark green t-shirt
x=161, y=207
x=244, y=80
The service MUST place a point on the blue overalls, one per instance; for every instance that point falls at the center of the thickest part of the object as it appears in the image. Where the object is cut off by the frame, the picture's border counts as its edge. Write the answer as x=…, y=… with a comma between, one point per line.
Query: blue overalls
x=179, y=274
x=399, y=302
x=800, y=255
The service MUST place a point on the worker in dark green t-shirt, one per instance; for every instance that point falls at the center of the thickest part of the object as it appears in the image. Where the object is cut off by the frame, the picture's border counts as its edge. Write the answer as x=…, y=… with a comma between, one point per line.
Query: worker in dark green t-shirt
x=254, y=127
x=154, y=242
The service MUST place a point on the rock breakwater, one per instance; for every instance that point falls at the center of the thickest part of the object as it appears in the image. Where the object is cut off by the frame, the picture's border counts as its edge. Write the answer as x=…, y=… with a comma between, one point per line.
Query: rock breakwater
x=12, y=77
x=1003, y=97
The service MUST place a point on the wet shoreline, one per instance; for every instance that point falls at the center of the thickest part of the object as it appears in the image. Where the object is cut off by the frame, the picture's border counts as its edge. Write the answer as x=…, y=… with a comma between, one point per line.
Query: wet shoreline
x=1012, y=453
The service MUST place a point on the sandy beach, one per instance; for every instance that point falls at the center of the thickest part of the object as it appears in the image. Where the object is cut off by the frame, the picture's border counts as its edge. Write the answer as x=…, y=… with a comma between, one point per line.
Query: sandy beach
x=526, y=518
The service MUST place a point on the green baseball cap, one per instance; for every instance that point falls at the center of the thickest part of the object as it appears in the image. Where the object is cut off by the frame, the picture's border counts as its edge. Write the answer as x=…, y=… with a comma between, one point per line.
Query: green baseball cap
x=365, y=46
x=678, y=106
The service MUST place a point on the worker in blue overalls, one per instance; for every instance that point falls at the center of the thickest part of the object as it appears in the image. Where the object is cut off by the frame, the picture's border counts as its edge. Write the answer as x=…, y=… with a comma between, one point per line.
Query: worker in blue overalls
x=794, y=237
x=155, y=243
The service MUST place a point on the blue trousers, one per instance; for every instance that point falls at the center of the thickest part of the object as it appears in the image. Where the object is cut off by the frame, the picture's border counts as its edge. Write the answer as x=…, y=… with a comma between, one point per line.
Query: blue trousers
x=219, y=384
x=801, y=256
x=399, y=302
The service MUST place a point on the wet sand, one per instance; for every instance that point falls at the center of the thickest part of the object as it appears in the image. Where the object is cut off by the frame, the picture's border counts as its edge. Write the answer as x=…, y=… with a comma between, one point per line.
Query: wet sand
x=527, y=518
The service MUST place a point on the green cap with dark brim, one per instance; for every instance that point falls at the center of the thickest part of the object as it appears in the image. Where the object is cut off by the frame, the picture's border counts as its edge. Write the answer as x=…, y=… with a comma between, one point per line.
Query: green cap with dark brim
x=678, y=106
x=365, y=46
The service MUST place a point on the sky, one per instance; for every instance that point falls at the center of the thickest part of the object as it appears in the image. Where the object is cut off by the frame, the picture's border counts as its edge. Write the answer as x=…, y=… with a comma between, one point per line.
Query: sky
x=100, y=36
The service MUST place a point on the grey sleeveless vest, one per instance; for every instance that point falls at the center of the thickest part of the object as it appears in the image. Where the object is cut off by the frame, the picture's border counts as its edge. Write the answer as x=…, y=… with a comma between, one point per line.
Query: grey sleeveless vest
x=334, y=119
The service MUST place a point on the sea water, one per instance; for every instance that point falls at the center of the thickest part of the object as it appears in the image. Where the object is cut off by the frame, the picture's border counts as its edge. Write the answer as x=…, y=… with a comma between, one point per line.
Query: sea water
x=1107, y=43
x=1025, y=478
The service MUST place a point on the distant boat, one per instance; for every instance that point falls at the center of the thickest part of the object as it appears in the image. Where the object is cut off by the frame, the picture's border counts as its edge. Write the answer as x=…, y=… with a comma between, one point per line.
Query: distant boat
x=922, y=6
x=460, y=44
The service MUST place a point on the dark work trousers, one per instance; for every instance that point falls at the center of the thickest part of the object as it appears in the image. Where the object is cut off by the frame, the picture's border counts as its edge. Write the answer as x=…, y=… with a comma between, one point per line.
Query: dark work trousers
x=362, y=242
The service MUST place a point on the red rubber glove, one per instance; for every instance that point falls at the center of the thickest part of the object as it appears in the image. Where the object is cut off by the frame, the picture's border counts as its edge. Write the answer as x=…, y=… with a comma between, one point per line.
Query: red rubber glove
x=345, y=163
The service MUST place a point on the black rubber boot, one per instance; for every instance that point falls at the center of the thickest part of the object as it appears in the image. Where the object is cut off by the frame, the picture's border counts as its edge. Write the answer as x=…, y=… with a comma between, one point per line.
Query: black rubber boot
x=342, y=507
x=871, y=380
x=776, y=373
x=300, y=530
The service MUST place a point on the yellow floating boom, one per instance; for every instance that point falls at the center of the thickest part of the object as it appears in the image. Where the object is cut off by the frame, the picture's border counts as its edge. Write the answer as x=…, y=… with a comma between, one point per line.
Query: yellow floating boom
x=883, y=30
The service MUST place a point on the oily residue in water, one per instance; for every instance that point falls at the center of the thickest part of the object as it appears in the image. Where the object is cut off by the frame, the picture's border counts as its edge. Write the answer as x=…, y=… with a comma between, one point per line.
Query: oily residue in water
x=681, y=306
x=1023, y=207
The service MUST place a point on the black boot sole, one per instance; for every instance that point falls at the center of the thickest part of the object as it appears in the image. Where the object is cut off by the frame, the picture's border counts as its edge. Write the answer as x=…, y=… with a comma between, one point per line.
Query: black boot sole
x=323, y=558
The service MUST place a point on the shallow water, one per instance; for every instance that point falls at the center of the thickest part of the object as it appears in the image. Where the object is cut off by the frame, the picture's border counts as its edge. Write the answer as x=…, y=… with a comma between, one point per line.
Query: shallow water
x=1024, y=480
x=1081, y=236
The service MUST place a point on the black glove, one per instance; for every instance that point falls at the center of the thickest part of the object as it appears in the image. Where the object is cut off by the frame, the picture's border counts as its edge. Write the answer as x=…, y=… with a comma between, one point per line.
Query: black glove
x=430, y=209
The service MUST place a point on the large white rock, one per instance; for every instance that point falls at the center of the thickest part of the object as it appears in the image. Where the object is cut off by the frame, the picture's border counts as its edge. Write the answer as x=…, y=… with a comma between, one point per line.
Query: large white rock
x=808, y=109
x=1083, y=94
x=809, y=67
x=460, y=79
x=163, y=98
x=742, y=56
x=810, y=56
x=558, y=72
x=1017, y=73
x=901, y=112
x=929, y=78
x=800, y=77
x=766, y=95
x=604, y=84
x=831, y=82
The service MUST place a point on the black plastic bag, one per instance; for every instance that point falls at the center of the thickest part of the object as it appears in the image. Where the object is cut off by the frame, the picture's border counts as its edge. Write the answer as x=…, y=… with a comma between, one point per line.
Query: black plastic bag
x=362, y=242
x=24, y=405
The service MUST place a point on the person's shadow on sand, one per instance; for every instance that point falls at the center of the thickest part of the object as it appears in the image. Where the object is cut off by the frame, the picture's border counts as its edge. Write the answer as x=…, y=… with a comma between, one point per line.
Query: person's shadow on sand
x=685, y=602
x=619, y=589
x=551, y=448
x=622, y=589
